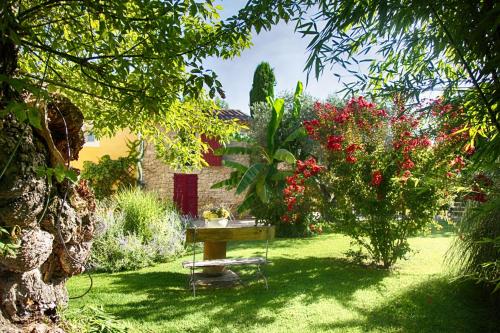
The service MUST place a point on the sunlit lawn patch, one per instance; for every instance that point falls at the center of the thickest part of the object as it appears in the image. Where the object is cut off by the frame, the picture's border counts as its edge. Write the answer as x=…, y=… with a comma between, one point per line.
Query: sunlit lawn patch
x=312, y=289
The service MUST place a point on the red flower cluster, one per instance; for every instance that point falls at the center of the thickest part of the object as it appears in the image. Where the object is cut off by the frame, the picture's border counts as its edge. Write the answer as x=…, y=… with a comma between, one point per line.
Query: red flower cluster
x=452, y=122
x=334, y=142
x=351, y=128
x=311, y=127
x=440, y=109
x=333, y=122
x=360, y=102
x=351, y=159
x=293, y=193
x=349, y=151
x=407, y=164
x=377, y=178
x=458, y=163
x=341, y=117
x=406, y=175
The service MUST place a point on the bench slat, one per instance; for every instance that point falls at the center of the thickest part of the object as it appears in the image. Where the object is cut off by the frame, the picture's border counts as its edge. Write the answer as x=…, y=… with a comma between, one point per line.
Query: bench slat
x=225, y=262
x=229, y=234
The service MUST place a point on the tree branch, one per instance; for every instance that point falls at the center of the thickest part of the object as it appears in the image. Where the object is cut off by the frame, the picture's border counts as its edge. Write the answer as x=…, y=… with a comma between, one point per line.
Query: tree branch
x=47, y=4
x=468, y=69
x=65, y=86
x=123, y=89
x=43, y=47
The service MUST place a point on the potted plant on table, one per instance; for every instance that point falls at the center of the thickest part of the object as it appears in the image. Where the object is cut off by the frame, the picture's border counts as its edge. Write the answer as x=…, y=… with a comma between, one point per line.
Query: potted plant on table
x=216, y=217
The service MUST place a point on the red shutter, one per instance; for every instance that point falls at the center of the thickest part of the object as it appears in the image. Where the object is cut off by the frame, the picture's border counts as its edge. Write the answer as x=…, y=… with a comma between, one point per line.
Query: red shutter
x=186, y=193
x=209, y=156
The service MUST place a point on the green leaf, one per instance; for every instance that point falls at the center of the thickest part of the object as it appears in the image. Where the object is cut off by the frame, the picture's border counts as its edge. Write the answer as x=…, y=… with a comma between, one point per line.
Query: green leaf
x=296, y=100
x=235, y=165
x=232, y=150
x=297, y=134
x=281, y=175
x=226, y=183
x=247, y=203
x=34, y=117
x=284, y=155
x=249, y=177
x=71, y=175
x=229, y=183
x=59, y=173
x=18, y=109
x=274, y=123
x=261, y=187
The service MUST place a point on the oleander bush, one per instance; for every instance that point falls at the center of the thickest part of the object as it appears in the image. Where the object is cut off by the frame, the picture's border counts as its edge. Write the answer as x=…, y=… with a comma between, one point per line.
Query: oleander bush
x=383, y=174
x=136, y=229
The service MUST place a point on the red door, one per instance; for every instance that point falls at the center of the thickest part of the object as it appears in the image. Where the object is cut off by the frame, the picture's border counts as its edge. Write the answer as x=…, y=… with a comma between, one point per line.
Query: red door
x=186, y=193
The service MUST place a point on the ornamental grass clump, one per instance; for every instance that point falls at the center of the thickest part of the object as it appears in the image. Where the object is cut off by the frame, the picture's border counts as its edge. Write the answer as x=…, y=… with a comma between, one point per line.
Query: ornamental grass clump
x=141, y=210
x=383, y=177
x=136, y=230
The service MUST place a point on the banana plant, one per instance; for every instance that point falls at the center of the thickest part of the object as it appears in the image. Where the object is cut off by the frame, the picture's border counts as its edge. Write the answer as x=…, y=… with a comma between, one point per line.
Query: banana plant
x=259, y=179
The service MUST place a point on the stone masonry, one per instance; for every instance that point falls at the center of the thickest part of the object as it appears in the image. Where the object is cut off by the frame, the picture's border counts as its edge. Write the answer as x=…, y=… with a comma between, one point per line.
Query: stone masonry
x=158, y=177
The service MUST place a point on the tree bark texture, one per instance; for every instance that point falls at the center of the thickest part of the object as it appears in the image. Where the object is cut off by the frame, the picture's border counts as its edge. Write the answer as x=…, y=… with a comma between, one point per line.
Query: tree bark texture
x=55, y=223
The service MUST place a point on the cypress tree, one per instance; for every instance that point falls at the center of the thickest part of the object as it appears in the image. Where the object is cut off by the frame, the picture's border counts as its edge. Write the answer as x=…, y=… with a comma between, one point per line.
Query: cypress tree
x=263, y=84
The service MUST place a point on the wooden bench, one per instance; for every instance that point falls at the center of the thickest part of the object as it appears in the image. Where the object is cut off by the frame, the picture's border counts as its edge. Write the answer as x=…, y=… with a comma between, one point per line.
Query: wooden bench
x=225, y=262
x=215, y=260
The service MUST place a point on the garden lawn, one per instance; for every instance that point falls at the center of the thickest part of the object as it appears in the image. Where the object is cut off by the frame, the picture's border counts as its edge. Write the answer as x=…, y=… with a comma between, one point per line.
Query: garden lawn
x=312, y=288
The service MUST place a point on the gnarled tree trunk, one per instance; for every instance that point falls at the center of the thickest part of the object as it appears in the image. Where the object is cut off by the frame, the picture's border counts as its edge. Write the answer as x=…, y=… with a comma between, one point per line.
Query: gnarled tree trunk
x=55, y=223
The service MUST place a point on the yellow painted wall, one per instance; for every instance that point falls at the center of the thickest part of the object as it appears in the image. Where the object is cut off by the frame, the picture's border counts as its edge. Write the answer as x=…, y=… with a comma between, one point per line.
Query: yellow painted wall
x=115, y=147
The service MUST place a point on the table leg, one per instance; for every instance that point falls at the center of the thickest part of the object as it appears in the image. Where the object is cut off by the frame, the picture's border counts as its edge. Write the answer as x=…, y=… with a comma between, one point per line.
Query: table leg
x=214, y=250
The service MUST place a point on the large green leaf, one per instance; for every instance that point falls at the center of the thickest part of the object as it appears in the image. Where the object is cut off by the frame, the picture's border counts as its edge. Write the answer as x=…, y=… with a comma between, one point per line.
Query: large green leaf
x=284, y=155
x=280, y=175
x=296, y=100
x=235, y=165
x=232, y=150
x=297, y=134
x=274, y=123
x=247, y=203
x=231, y=182
x=249, y=177
x=261, y=187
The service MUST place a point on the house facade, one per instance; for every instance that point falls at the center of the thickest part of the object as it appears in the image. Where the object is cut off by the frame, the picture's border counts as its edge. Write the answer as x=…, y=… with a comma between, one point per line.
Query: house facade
x=192, y=192
x=93, y=148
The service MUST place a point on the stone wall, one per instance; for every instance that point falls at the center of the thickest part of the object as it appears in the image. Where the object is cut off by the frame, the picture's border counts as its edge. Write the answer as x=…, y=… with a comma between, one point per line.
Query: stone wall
x=159, y=177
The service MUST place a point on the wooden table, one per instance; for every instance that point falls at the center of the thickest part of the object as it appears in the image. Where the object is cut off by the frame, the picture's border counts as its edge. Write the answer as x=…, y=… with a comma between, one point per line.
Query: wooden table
x=215, y=240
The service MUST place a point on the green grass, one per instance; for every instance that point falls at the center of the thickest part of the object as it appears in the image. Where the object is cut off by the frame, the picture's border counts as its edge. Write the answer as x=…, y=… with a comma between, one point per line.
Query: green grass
x=312, y=288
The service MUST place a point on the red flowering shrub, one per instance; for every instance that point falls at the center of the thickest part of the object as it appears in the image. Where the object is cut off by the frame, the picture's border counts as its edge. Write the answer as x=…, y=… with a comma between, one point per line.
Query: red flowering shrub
x=383, y=177
x=295, y=195
x=377, y=178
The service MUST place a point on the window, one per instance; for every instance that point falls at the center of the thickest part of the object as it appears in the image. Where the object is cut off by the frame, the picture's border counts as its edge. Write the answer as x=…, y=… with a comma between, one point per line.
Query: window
x=210, y=157
x=90, y=139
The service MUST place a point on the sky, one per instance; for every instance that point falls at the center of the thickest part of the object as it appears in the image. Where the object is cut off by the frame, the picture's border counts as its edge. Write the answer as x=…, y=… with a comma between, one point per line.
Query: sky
x=283, y=49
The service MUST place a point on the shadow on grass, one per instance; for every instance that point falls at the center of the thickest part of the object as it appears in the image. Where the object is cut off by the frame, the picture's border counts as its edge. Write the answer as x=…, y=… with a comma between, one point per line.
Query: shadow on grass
x=309, y=279
x=431, y=306
x=277, y=243
x=443, y=233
